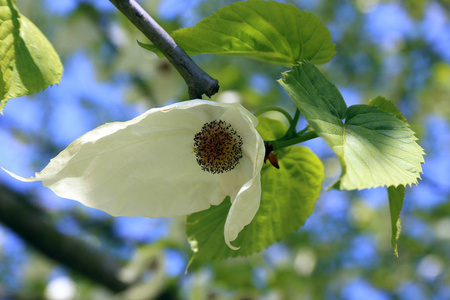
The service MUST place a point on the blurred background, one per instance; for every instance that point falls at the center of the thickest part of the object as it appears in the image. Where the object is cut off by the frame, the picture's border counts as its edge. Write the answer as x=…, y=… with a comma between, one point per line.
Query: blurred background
x=398, y=49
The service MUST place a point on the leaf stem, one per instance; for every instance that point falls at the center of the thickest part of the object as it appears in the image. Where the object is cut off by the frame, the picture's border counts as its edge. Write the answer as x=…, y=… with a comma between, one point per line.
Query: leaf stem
x=293, y=123
x=197, y=80
x=273, y=108
x=292, y=140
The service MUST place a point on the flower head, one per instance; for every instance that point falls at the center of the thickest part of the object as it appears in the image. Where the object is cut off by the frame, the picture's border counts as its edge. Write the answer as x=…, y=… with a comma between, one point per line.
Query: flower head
x=169, y=161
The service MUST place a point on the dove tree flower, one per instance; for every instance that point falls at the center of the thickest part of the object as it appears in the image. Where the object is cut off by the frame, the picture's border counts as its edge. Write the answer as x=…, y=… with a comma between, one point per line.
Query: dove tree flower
x=169, y=161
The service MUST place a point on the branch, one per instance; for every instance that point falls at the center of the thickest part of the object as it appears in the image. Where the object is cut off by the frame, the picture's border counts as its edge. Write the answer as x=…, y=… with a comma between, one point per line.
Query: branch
x=34, y=227
x=197, y=80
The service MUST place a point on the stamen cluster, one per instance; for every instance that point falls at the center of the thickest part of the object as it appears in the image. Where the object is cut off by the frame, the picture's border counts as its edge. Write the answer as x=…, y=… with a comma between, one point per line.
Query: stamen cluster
x=217, y=147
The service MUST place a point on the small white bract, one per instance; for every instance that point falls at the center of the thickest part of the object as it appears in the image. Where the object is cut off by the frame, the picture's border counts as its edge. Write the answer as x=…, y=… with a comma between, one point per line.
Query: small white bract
x=169, y=161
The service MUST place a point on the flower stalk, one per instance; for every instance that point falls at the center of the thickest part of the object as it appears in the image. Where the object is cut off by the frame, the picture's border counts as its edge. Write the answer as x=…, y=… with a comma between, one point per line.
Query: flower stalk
x=293, y=123
x=299, y=137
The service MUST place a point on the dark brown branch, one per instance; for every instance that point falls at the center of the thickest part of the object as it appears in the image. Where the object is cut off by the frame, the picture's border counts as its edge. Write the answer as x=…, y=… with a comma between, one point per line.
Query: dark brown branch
x=35, y=228
x=198, y=81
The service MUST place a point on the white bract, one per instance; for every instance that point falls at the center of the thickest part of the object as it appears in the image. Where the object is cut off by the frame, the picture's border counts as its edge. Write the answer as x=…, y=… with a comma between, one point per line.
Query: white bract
x=151, y=166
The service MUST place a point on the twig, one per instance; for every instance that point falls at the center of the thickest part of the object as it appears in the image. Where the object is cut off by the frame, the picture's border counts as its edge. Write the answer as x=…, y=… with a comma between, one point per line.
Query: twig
x=197, y=80
x=34, y=227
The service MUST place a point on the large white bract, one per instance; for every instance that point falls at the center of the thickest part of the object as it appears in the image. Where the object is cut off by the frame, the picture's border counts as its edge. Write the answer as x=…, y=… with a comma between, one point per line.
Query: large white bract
x=148, y=167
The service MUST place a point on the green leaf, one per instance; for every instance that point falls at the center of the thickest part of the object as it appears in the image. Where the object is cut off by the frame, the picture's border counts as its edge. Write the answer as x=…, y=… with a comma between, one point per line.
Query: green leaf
x=396, y=196
x=270, y=129
x=375, y=147
x=28, y=61
x=387, y=106
x=288, y=198
x=265, y=30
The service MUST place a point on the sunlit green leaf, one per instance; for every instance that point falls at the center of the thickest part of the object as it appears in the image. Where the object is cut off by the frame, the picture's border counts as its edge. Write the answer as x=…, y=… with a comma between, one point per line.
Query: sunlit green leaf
x=270, y=129
x=396, y=196
x=288, y=198
x=387, y=106
x=265, y=30
x=375, y=147
x=28, y=61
